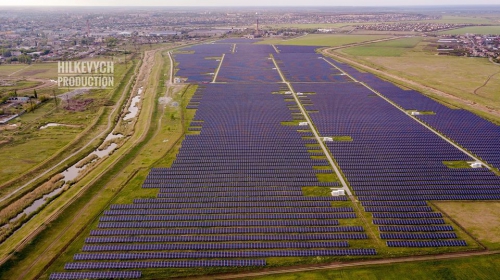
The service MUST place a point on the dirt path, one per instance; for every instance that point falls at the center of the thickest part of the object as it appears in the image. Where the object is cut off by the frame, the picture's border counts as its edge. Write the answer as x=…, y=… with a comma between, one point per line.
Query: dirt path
x=417, y=85
x=44, y=84
x=485, y=82
x=340, y=265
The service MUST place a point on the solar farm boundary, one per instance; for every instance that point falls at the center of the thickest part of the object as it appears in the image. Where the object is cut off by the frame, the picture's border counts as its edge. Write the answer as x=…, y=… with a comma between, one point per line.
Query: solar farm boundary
x=413, y=117
x=218, y=68
x=355, y=264
x=315, y=132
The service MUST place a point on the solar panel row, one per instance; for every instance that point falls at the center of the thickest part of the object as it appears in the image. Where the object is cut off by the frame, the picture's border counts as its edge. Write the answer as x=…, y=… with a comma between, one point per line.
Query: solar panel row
x=224, y=238
x=162, y=264
x=222, y=254
x=223, y=230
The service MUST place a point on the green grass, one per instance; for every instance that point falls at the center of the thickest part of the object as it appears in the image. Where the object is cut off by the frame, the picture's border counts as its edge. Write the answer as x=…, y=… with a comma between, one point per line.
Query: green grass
x=327, y=177
x=309, y=25
x=466, y=19
x=456, y=164
x=290, y=123
x=316, y=191
x=8, y=69
x=474, y=29
x=39, y=70
x=322, y=167
x=21, y=84
x=478, y=267
x=330, y=40
x=342, y=138
x=388, y=48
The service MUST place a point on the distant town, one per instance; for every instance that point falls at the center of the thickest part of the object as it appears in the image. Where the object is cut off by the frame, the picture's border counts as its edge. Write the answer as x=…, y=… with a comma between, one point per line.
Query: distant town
x=28, y=36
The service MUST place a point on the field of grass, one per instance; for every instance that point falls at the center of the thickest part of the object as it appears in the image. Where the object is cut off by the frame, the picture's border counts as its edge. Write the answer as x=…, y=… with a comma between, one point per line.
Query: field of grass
x=464, y=19
x=18, y=85
x=387, y=48
x=457, y=164
x=480, y=218
x=444, y=19
x=474, y=30
x=8, y=69
x=39, y=70
x=309, y=26
x=478, y=267
x=330, y=40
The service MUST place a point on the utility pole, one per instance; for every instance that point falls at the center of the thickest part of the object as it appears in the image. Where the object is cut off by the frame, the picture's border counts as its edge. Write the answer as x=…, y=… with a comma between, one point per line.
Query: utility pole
x=55, y=97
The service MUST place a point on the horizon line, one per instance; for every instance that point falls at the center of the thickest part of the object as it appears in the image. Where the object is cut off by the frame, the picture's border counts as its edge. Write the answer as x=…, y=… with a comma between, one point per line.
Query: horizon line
x=256, y=6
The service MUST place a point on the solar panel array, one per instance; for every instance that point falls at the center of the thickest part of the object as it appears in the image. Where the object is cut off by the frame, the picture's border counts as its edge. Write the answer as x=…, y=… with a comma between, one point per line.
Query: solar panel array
x=472, y=132
x=233, y=196
x=248, y=66
x=308, y=67
x=234, y=190
x=96, y=275
x=392, y=161
x=199, y=63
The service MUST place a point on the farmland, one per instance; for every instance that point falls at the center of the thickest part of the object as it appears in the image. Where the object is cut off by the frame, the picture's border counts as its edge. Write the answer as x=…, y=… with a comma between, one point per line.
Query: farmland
x=474, y=30
x=325, y=40
x=392, y=48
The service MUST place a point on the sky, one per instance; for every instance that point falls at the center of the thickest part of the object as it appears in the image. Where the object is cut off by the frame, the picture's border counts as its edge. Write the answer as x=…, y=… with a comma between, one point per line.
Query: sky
x=244, y=3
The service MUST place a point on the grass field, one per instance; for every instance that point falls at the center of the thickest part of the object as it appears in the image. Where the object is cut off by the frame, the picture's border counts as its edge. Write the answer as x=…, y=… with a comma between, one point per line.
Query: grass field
x=330, y=40
x=9, y=69
x=465, y=19
x=480, y=267
x=39, y=70
x=17, y=85
x=474, y=30
x=309, y=26
x=388, y=48
x=481, y=219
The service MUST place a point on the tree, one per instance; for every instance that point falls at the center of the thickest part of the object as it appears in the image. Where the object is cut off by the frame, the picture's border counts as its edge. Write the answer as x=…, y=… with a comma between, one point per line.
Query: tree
x=34, y=94
x=111, y=41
